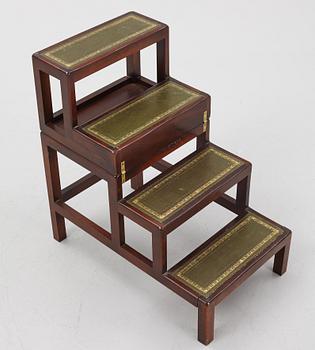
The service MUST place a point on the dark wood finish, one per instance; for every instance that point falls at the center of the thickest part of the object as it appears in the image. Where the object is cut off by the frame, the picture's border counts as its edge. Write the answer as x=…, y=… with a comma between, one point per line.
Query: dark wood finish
x=281, y=258
x=205, y=322
x=116, y=219
x=137, y=181
x=163, y=58
x=83, y=222
x=43, y=97
x=159, y=242
x=54, y=190
x=242, y=194
x=134, y=65
x=61, y=132
x=70, y=118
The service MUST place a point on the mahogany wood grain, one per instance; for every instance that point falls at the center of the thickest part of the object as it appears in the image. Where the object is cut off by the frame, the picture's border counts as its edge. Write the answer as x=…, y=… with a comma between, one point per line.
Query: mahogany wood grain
x=205, y=322
x=70, y=118
x=137, y=181
x=54, y=190
x=281, y=259
x=115, y=194
x=159, y=251
x=134, y=65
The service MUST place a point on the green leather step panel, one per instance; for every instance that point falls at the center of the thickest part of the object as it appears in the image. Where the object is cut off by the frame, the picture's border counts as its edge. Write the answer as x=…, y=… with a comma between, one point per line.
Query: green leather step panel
x=95, y=42
x=175, y=190
x=138, y=115
x=234, y=249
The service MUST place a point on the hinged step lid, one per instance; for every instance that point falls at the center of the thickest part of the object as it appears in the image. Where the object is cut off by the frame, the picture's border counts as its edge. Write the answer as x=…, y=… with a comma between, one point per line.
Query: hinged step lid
x=157, y=104
x=222, y=259
x=198, y=179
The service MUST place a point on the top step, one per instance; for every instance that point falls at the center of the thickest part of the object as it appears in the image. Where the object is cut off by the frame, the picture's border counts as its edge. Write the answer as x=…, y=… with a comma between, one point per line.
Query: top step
x=118, y=37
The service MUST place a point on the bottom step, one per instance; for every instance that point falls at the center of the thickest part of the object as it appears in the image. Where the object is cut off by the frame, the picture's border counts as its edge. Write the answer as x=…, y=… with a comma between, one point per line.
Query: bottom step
x=221, y=264
x=223, y=258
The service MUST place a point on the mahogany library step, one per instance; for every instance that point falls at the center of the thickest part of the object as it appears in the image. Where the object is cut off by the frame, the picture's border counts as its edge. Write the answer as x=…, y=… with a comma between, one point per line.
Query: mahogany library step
x=185, y=188
x=222, y=263
x=123, y=128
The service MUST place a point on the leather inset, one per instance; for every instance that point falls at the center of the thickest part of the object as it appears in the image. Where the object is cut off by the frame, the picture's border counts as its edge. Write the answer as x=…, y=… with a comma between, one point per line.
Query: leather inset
x=93, y=43
x=209, y=269
x=169, y=194
x=124, y=122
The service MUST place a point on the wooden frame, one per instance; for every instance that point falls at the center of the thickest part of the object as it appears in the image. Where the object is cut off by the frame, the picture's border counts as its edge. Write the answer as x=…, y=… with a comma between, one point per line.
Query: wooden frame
x=60, y=134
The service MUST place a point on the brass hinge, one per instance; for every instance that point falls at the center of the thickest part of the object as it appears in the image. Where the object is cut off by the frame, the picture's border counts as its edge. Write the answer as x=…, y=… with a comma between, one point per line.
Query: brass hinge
x=205, y=120
x=123, y=171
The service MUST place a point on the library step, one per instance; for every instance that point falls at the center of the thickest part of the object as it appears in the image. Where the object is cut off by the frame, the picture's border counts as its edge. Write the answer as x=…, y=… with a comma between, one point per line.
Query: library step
x=227, y=258
x=159, y=120
x=185, y=188
x=103, y=41
x=157, y=104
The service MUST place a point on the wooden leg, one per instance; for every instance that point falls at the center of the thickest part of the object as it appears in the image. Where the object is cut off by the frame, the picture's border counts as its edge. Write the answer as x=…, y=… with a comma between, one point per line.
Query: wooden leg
x=133, y=65
x=201, y=141
x=54, y=190
x=162, y=59
x=137, y=181
x=205, y=322
x=242, y=194
x=159, y=251
x=116, y=219
x=281, y=259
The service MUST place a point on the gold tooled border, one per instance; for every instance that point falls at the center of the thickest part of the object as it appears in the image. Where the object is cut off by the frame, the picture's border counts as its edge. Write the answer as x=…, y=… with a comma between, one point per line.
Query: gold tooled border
x=206, y=291
x=136, y=201
x=50, y=53
x=91, y=129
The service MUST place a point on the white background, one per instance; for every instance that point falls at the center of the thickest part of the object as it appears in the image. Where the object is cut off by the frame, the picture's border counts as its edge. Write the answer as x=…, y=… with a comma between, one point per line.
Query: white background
x=257, y=60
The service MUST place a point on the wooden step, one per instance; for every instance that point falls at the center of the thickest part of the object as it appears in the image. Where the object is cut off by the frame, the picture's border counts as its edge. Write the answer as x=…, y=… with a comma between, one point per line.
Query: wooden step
x=221, y=264
x=112, y=38
x=136, y=134
x=224, y=258
x=184, y=189
x=161, y=102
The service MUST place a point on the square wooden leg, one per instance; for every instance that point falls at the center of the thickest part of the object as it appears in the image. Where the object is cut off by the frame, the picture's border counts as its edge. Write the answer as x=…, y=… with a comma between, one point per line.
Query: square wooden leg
x=159, y=251
x=281, y=259
x=115, y=193
x=137, y=181
x=205, y=322
x=54, y=190
x=242, y=194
